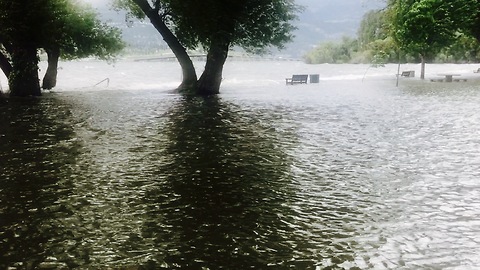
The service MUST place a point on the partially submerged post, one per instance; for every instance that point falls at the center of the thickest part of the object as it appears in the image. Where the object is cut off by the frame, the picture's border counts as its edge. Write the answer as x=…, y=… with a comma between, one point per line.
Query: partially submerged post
x=398, y=68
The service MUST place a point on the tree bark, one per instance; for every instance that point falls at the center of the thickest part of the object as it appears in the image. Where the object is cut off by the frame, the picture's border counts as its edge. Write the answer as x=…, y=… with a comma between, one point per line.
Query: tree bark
x=5, y=65
x=23, y=80
x=209, y=82
x=189, y=78
x=50, y=78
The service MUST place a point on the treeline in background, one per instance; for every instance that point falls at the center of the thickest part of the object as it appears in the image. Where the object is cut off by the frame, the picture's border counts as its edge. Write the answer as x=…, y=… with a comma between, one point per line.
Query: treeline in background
x=375, y=44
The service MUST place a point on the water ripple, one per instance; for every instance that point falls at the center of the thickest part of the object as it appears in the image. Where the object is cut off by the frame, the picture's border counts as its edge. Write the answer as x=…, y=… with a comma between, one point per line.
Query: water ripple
x=371, y=177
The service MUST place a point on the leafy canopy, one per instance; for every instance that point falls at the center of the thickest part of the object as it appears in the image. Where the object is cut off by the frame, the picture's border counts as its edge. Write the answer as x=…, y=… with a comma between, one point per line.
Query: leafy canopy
x=84, y=34
x=66, y=24
x=426, y=26
x=251, y=24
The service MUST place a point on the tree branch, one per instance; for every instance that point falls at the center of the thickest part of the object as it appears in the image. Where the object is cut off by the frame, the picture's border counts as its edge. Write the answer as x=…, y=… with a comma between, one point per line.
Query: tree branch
x=5, y=64
x=157, y=6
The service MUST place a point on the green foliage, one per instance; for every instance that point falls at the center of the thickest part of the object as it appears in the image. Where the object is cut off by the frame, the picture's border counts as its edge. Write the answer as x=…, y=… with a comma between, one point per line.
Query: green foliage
x=333, y=52
x=66, y=24
x=84, y=35
x=253, y=25
x=372, y=45
x=384, y=49
x=465, y=49
x=54, y=25
x=374, y=26
x=324, y=53
x=436, y=29
x=133, y=9
x=426, y=26
x=24, y=21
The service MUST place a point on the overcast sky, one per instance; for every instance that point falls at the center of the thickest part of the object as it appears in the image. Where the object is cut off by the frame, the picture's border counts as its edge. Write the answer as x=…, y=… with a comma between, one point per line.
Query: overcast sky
x=98, y=3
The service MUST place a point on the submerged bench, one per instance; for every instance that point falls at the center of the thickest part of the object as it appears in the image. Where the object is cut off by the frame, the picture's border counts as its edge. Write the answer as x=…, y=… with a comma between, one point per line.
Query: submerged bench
x=296, y=79
x=408, y=73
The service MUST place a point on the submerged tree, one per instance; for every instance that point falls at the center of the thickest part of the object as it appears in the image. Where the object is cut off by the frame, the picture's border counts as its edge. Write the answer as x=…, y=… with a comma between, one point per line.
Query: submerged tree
x=215, y=26
x=28, y=25
x=22, y=22
x=82, y=35
x=424, y=27
x=160, y=16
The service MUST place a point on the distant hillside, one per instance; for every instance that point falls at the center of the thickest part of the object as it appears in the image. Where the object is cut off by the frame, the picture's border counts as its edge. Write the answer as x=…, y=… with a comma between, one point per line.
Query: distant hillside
x=321, y=20
x=328, y=20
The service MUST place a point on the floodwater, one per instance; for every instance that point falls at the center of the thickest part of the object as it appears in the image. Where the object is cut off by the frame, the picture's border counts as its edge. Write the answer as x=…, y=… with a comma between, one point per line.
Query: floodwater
x=349, y=173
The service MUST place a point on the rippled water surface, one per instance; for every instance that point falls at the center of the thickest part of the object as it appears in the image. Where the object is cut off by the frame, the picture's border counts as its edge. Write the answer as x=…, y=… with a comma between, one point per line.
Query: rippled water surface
x=344, y=174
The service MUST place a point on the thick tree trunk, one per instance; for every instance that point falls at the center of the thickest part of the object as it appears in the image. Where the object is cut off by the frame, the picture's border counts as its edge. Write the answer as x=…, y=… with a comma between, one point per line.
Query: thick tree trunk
x=189, y=79
x=209, y=82
x=23, y=80
x=50, y=78
x=5, y=65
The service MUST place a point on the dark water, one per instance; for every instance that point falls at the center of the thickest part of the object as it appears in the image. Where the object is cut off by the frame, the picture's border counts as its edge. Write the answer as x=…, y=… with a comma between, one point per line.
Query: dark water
x=341, y=175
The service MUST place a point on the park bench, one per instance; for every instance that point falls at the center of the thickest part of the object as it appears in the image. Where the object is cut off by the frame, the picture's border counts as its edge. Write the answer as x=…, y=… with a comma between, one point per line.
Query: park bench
x=296, y=79
x=408, y=73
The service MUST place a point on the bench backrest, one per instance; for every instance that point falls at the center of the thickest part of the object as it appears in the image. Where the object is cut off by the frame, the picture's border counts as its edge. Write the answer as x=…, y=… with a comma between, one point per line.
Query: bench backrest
x=408, y=73
x=299, y=78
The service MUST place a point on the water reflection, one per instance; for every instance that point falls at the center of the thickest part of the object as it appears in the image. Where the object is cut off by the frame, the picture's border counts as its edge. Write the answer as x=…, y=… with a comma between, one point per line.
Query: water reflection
x=369, y=178
x=36, y=152
x=221, y=198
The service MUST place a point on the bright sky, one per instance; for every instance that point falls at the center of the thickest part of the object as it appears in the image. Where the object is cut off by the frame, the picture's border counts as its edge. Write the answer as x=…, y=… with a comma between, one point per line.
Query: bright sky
x=97, y=3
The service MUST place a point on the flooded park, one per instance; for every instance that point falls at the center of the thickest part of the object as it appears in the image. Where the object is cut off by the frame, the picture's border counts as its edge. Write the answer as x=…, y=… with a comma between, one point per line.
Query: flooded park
x=113, y=170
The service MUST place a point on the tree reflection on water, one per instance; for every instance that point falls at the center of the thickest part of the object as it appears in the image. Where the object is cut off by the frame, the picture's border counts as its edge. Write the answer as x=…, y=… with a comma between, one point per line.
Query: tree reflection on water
x=36, y=151
x=103, y=182
x=220, y=198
